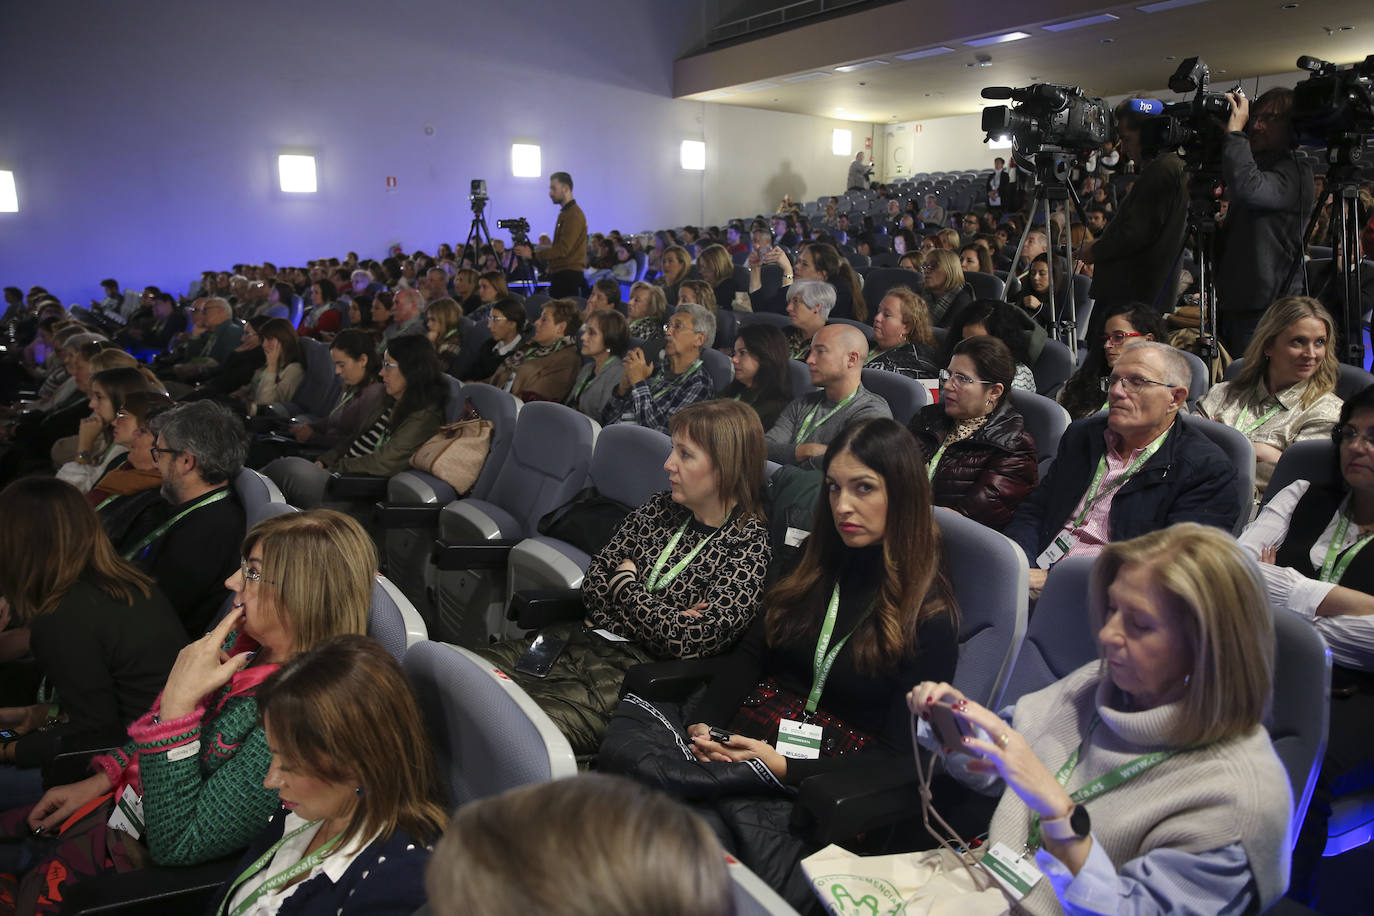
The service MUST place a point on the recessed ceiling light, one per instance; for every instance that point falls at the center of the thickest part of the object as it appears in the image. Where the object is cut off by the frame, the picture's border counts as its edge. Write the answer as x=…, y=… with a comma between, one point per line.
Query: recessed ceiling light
x=755, y=87
x=1288, y=6
x=1167, y=5
x=1081, y=23
x=928, y=52
x=1345, y=28
x=1170, y=57
x=863, y=65
x=997, y=39
x=806, y=77
x=1106, y=41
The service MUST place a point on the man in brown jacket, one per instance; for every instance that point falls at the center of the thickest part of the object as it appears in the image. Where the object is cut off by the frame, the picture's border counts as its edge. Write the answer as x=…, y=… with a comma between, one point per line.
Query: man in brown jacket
x=566, y=258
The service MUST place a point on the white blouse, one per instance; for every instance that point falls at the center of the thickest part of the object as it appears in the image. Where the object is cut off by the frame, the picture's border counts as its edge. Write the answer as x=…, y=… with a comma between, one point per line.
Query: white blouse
x=291, y=852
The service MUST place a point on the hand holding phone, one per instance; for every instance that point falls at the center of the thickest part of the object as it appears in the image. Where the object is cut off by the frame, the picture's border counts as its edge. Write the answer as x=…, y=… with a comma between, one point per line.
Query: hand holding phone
x=951, y=728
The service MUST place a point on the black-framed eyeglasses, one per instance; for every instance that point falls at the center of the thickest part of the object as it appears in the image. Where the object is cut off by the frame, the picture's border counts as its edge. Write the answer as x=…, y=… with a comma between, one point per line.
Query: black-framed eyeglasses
x=163, y=451
x=1134, y=384
x=1349, y=435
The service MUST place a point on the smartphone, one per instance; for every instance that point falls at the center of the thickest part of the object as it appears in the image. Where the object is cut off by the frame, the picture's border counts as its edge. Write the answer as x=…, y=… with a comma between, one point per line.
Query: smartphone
x=950, y=728
x=539, y=657
x=720, y=735
x=8, y=735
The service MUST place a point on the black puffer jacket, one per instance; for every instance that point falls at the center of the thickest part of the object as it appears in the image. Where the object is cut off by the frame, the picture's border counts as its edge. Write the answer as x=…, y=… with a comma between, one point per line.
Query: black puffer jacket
x=987, y=475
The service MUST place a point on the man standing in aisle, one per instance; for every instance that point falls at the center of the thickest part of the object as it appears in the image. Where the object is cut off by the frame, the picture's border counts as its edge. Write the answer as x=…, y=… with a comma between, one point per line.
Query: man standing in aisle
x=858, y=173
x=566, y=258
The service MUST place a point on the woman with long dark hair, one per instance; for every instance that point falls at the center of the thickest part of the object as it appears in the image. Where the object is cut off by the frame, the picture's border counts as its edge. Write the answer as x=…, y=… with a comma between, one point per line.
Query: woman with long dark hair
x=762, y=378
x=1085, y=393
x=815, y=261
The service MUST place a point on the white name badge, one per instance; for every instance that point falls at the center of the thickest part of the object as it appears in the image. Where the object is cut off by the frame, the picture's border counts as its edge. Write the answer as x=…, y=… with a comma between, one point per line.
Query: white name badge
x=1055, y=552
x=609, y=636
x=128, y=813
x=795, y=537
x=799, y=740
x=1017, y=875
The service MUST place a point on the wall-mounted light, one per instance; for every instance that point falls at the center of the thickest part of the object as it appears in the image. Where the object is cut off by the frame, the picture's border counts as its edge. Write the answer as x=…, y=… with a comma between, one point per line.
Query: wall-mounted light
x=9, y=197
x=296, y=173
x=841, y=142
x=525, y=160
x=693, y=155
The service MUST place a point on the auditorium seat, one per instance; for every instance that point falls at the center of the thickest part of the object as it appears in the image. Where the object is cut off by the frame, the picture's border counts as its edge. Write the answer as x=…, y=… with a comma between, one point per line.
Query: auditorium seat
x=1052, y=368
x=904, y=395
x=319, y=390
x=1241, y=454
x=1045, y=421
x=719, y=367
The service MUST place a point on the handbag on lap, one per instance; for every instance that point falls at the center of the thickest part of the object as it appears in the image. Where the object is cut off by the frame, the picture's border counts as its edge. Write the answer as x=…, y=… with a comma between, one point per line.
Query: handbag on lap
x=455, y=454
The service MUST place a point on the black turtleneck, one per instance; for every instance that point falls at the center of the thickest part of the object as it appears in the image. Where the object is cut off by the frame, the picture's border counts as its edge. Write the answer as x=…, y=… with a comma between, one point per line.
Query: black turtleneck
x=871, y=702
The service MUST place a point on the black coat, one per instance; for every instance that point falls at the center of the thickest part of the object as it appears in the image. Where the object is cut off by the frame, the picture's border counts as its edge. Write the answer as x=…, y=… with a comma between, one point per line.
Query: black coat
x=989, y=474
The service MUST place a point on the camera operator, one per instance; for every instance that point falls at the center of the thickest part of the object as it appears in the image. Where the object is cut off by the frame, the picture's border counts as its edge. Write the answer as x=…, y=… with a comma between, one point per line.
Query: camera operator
x=566, y=257
x=1271, y=194
x=1134, y=258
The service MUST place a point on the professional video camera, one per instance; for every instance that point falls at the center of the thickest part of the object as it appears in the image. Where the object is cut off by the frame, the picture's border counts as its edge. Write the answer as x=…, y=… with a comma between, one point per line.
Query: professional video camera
x=1197, y=126
x=519, y=229
x=477, y=194
x=1049, y=118
x=1334, y=107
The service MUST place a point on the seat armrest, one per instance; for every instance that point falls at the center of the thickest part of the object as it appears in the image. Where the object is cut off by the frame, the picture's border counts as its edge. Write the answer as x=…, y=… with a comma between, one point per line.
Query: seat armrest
x=394, y=515
x=671, y=681
x=449, y=557
x=836, y=807
x=535, y=608
x=187, y=889
x=357, y=486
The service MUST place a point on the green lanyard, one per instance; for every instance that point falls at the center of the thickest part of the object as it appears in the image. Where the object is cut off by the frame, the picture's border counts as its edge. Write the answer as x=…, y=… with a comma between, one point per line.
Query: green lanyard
x=167, y=525
x=1100, y=786
x=811, y=423
x=660, y=392
x=582, y=386
x=1333, y=568
x=280, y=878
x=1247, y=430
x=658, y=580
x=106, y=501
x=935, y=458
x=823, y=660
x=342, y=402
x=1095, y=494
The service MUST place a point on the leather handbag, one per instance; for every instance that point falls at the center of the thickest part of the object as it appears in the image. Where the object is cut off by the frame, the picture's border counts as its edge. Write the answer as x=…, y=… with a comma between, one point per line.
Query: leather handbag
x=455, y=454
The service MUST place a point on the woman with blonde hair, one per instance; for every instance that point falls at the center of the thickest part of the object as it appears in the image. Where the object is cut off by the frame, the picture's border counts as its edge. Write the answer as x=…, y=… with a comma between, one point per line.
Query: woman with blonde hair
x=198, y=757
x=1285, y=392
x=677, y=266
x=359, y=792
x=443, y=319
x=697, y=292
x=100, y=632
x=902, y=339
x=588, y=845
x=1163, y=737
x=648, y=309
x=718, y=269
x=946, y=288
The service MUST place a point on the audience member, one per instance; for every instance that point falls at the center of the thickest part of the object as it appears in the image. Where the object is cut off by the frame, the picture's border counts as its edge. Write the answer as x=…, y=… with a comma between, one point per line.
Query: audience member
x=604, y=294
x=325, y=313
x=1182, y=689
x=902, y=339
x=588, y=845
x=981, y=461
x=945, y=287
x=358, y=817
x=283, y=367
x=604, y=339
x=681, y=578
x=566, y=256
x=816, y=261
x=491, y=288
x=809, y=304
x=647, y=310
x=443, y=327
x=133, y=482
x=762, y=379
x=1286, y=390
x=808, y=424
x=97, y=450
x=995, y=318
x=406, y=316
x=1085, y=393
x=650, y=395
x=99, y=631
x=544, y=366
x=718, y=269
x=677, y=267
x=1136, y=470
x=410, y=412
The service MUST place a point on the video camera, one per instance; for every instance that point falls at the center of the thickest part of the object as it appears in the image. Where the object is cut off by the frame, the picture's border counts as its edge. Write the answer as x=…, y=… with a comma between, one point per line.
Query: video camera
x=1334, y=107
x=477, y=194
x=1196, y=126
x=1049, y=118
x=519, y=229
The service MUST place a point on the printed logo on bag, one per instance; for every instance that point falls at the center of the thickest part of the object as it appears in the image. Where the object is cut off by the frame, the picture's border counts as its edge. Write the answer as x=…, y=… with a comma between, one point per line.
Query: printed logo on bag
x=858, y=895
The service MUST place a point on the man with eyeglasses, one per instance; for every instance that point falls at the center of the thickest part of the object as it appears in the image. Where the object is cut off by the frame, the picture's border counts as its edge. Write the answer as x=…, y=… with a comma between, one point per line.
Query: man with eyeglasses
x=221, y=334
x=649, y=395
x=190, y=545
x=806, y=426
x=1136, y=470
x=1271, y=194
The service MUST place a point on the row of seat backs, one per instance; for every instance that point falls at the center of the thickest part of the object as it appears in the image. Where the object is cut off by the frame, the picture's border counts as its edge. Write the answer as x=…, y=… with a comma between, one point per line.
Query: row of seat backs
x=1060, y=640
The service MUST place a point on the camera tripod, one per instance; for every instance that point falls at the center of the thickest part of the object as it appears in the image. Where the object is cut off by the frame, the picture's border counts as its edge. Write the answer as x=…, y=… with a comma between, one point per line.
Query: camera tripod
x=1342, y=190
x=1204, y=218
x=520, y=273
x=1054, y=186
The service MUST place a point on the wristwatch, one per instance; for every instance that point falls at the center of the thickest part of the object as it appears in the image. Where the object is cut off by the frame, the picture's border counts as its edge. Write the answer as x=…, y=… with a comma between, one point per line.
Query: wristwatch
x=1073, y=826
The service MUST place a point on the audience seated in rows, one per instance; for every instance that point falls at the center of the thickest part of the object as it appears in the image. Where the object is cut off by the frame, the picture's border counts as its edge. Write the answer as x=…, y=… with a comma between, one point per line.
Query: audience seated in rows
x=96, y=448
x=650, y=395
x=603, y=342
x=544, y=367
x=994, y=318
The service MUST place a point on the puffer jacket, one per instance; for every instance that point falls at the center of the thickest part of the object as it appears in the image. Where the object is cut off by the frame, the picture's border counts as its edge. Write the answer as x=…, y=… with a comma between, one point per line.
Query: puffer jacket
x=986, y=476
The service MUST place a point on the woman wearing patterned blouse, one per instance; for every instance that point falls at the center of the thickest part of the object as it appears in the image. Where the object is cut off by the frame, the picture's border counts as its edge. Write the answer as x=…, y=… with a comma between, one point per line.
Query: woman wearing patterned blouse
x=1286, y=391
x=903, y=341
x=681, y=578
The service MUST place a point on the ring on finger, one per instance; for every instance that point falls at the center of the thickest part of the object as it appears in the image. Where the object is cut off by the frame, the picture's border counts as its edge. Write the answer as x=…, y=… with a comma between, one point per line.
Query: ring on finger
x=1003, y=740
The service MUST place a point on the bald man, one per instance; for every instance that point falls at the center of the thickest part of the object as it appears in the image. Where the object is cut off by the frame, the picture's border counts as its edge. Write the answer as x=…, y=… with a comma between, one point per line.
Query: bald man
x=807, y=425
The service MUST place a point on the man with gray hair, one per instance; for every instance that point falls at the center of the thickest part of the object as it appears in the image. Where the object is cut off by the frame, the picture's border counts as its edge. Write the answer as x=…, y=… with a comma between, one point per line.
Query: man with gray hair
x=805, y=427
x=650, y=395
x=1136, y=470
x=190, y=545
x=809, y=303
x=219, y=336
x=406, y=316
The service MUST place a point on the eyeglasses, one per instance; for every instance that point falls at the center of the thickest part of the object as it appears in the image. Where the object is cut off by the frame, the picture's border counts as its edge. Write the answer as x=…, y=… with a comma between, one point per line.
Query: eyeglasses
x=1350, y=435
x=1117, y=337
x=163, y=451
x=388, y=364
x=250, y=574
x=672, y=328
x=927, y=268
x=496, y=316
x=1134, y=384
x=121, y=414
x=960, y=380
